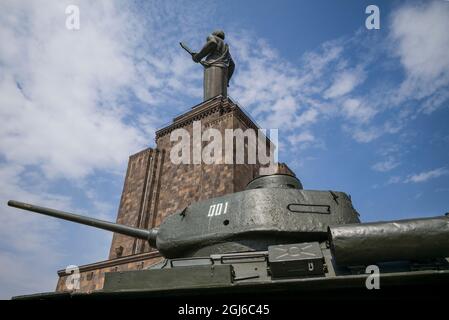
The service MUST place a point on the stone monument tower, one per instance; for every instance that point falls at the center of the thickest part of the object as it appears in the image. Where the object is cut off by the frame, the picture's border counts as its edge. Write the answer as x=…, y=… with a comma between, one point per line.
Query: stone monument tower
x=155, y=187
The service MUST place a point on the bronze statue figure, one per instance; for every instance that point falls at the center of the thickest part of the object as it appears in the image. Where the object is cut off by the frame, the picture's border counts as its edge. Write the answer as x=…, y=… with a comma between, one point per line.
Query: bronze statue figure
x=218, y=64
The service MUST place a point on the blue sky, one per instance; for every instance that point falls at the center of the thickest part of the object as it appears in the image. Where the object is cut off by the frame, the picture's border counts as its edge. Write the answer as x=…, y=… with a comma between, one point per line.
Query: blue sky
x=361, y=111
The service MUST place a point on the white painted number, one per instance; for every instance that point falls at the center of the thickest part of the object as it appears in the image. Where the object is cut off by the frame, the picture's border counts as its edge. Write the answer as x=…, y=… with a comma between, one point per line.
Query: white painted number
x=217, y=209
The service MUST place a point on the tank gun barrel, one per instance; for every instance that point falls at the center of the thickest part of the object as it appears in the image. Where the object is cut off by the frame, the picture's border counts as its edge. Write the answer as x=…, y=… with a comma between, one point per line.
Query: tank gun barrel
x=149, y=235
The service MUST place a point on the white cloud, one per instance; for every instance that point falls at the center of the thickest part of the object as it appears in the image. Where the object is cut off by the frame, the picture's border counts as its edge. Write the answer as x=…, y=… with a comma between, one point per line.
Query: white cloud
x=68, y=99
x=394, y=179
x=344, y=83
x=427, y=175
x=365, y=135
x=50, y=94
x=264, y=82
x=317, y=62
x=321, y=87
x=419, y=36
x=304, y=140
x=282, y=112
x=387, y=165
x=283, y=95
x=29, y=250
x=420, y=177
x=434, y=101
x=302, y=137
x=367, y=132
x=307, y=117
x=357, y=110
x=73, y=104
x=277, y=92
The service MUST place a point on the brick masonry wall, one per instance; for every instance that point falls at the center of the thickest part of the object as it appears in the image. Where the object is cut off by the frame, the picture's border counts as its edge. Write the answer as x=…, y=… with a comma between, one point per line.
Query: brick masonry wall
x=132, y=201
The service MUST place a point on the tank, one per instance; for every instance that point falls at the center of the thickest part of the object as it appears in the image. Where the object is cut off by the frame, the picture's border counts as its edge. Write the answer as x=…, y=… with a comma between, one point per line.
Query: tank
x=273, y=238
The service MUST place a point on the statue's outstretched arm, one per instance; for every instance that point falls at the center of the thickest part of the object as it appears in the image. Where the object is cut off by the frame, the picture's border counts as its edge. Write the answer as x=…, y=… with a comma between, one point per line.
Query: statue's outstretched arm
x=208, y=48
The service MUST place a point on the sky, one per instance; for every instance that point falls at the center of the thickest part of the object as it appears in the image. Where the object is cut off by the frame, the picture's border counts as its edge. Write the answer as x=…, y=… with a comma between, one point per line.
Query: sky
x=358, y=110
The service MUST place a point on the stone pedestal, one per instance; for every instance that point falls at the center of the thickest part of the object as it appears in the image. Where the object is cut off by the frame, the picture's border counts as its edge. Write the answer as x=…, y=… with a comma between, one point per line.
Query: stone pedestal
x=215, y=82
